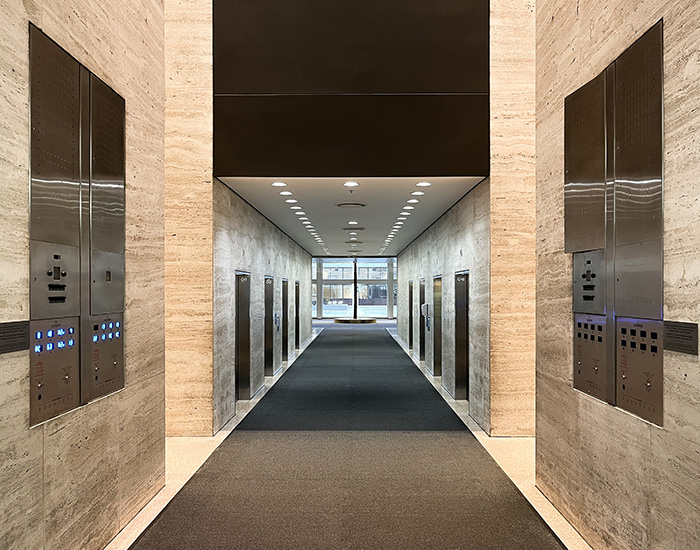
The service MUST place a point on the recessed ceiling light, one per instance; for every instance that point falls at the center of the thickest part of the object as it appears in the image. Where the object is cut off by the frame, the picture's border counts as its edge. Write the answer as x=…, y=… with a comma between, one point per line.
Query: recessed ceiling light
x=279, y=184
x=306, y=222
x=398, y=223
x=353, y=223
x=411, y=201
x=352, y=233
x=295, y=207
x=303, y=217
x=286, y=193
x=351, y=184
x=300, y=213
x=400, y=218
x=405, y=213
x=409, y=207
x=423, y=184
x=417, y=193
x=353, y=238
x=292, y=201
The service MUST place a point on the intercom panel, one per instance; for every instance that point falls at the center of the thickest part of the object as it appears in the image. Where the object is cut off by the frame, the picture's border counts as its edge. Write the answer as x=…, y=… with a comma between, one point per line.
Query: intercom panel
x=55, y=280
x=590, y=355
x=54, y=385
x=640, y=380
x=589, y=282
x=103, y=356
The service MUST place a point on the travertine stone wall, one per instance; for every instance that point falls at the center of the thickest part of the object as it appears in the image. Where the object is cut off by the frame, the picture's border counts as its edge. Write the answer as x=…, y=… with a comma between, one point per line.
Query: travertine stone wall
x=246, y=241
x=458, y=241
x=623, y=483
x=75, y=481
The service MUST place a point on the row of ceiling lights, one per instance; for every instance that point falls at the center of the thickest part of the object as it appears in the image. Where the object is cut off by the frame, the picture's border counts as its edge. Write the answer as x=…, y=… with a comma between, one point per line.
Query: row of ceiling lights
x=403, y=216
x=301, y=215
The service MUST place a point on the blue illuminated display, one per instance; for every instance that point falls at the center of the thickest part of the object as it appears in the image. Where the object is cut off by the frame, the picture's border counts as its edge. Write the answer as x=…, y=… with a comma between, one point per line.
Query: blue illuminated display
x=111, y=336
x=61, y=331
x=38, y=349
x=118, y=324
x=61, y=344
x=104, y=336
x=104, y=326
x=49, y=346
x=39, y=335
x=117, y=334
x=49, y=333
x=111, y=325
x=95, y=338
x=71, y=342
x=71, y=330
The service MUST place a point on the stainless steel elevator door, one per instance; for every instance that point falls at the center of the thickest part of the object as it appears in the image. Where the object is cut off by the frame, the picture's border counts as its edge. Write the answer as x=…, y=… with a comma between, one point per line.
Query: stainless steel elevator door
x=437, y=326
x=242, y=368
x=461, y=335
x=410, y=315
x=297, y=339
x=269, y=326
x=285, y=320
x=421, y=328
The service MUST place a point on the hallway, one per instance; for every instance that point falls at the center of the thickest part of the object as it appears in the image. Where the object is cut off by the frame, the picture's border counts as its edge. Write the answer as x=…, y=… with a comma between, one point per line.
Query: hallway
x=352, y=448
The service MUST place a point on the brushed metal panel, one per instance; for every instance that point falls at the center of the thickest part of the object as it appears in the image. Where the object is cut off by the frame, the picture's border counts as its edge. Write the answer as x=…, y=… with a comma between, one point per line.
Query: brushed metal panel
x=437, y=326
x=589, y=282
x=102, y=370
x=54, y=380
x=107, y=282
x=410, y=315
x=639, y=140
x=590, y=355
x=640, y=375
x=584, y=167
x=55, y=142
x=54, y=289
x=107, y=168
x=296, y=315
x=423, y=321
x=269, y=326
x=351, y=46
x=376, y=135
x=639, y=280
x=242, y=368
x=461, y=336
x=285, y=320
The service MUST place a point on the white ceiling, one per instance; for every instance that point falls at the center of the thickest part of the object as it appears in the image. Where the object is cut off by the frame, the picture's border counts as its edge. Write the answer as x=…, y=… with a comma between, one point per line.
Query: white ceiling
x=385, y=199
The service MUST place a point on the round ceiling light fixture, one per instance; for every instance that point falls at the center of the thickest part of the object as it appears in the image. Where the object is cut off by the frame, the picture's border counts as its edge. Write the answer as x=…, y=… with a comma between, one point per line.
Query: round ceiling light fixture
x=405, y=213
x=350, y=184
x=292, y=201
x=417, y=193
x=286, y=193
x=398, y=223
x=410, y=201
x=306, y=222
x=409, y=207
x=352, y=222
x=423, y=184
x=279, y=184
x=295, y=208
x=401, y=218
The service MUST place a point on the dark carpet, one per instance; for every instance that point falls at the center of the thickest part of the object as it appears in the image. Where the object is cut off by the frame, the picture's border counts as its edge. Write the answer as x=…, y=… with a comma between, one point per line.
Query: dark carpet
x=351, y=449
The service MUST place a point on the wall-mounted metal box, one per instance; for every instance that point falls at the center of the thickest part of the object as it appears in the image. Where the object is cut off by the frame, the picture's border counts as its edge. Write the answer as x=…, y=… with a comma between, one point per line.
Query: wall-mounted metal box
x=640, y=376
x=102, y=369
x=589, y=282
x=590, y=356
x=639, y=270
x=55, y=280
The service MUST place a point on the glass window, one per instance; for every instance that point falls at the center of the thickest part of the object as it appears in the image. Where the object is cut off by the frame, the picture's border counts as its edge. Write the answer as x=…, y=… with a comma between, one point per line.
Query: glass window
x=371, y=300
x=338, y=300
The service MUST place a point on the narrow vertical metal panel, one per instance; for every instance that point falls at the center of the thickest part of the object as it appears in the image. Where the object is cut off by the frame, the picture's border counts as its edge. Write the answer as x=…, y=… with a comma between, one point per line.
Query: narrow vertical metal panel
x=639, y=140
x=584, y=167
x=55, y=142
x=285, y=320
x=410, y=315
x=297, y=313
x=242, y=369
x=421, y=328
x=461, y=335
x=269, y=326
x=610, y=349
x=437, y=326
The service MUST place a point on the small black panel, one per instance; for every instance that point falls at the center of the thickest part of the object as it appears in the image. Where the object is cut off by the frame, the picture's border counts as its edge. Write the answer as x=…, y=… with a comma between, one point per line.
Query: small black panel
x=680, y=337
x=377, y=136
x=14, y=336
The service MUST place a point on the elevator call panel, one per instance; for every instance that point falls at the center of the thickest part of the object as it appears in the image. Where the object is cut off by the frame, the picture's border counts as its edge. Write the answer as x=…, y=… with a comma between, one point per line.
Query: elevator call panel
x=590, y=362
x=76, y=250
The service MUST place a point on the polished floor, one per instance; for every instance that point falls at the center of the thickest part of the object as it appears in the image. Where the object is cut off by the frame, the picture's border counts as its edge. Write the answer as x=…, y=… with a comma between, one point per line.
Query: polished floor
x=353, y=448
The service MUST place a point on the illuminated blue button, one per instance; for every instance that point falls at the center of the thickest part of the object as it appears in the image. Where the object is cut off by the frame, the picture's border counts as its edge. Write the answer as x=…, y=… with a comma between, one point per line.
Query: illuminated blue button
x=38, y=335
x=117, y=334
x=71, y=342
x=118, y=324
x=61, y=331
x=49, y=333
x=111, y=336
x=71, y=330
x=49, y=346
x=38, y=349
x=104, y=336
x=104, y=326
x=95, y=338
x=111, y=325
x=61, y=344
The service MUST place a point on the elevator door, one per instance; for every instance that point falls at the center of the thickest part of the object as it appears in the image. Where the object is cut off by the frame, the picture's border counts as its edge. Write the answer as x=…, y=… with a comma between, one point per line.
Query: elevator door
x=242, y=369
x=296, y=315
x=421, y=328
x=461, y=335
x=285, y=320
x=410, y=315
x=269, y=326
x=437, y=326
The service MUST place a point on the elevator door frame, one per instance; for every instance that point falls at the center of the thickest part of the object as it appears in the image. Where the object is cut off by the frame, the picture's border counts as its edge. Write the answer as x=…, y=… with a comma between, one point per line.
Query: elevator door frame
x=269, y=325
x=242, y=367
x=297, y=314
x=410, y=315
x=421, y=328
x=285, y=320
x=437, y=325
x=462, y=335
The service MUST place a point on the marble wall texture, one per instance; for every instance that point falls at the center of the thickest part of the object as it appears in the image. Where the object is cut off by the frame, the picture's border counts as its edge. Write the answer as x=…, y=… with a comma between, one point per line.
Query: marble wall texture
x=623, y=483
x=75, y=481
x=458, y=241
x=246, y=241
x=502, y=394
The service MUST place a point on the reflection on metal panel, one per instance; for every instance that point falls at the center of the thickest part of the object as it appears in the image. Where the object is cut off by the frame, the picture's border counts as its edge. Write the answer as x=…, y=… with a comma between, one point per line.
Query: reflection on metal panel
x=54, y=381
x=410, y=315
x=107, y=284
x=107, y=177
x=640, y=381
x=639, y=140
x=296, y=316
x=639, y=280
x=269, y=326
x=437, y=326
x=285, y=320
x=102, y=369
x=589, y=282
x=242, y=368
x=55, y=142
x=584, y=161
x=55, y=280
x=423, y=321
x=461, y=335
x=590, y=355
